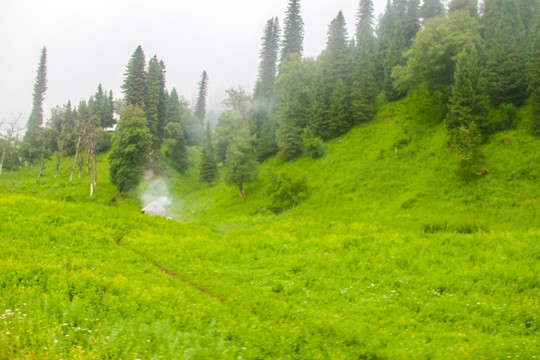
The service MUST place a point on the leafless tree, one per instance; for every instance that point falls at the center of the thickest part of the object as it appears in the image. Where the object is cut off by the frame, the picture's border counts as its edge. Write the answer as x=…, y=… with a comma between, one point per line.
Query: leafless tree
x=10, y=131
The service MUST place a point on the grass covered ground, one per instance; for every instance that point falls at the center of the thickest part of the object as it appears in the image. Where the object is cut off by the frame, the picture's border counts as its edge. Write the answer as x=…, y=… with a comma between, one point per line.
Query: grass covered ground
x=390, y=256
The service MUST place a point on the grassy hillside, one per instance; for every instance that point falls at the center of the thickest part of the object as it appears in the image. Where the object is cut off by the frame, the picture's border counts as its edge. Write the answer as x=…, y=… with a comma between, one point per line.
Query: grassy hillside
x=390, y=256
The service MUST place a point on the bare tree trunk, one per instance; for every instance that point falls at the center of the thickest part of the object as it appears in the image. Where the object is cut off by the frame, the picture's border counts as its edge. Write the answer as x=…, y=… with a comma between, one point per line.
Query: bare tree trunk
x=92, y=169
x=41, y=163
x=75, y=162
x=2, y=160
x=59, y=155
x=95, y=167
x=87, y=156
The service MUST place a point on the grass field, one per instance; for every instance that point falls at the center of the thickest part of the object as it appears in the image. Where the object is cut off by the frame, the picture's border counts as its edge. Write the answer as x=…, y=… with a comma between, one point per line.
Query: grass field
x=390, y=256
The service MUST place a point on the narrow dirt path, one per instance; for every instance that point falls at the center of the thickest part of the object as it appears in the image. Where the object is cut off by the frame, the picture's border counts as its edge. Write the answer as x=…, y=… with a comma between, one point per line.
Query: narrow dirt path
x=170, y=273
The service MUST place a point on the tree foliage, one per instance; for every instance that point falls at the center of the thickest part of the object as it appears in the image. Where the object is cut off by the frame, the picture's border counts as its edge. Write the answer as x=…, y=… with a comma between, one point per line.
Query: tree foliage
x=293, y=42
x=241, y=165
x=131, y=145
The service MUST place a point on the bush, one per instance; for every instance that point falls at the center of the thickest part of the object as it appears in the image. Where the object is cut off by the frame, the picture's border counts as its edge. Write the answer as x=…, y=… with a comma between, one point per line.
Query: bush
x=314, y=147
x=286, y=190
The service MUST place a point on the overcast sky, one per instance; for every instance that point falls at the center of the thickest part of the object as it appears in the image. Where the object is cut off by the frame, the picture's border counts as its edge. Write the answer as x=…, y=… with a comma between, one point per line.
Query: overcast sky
x=91, y=42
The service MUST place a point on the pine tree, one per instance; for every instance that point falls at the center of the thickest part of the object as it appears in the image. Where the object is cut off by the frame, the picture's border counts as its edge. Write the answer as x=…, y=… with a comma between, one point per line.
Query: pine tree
x=364, y=30
x=32, y=140
x=364, y=89
x=154, y=85
x=431, y=9
x=468, y=101
x=534, y=83
x=268, y=65
x=339, y=113
x=134, y=86
x=506, y=81
x=412, y=21
x=294, y=31
x=162, y=104
x=242, y=166
x=129, y=154
x=103, y=108
x=468, y=5
x=200, y=106
x=266, y=144
x=208, y=171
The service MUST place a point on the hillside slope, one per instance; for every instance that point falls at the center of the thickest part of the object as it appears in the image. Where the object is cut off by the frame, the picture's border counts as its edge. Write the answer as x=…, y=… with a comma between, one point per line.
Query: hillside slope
x=390, y=256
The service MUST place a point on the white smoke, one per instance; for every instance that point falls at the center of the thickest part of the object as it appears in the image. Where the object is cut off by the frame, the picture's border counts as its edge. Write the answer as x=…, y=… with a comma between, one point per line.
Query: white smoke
x=156, y=190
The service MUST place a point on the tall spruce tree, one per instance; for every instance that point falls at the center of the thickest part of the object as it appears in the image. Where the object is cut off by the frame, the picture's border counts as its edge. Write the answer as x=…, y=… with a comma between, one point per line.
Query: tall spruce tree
x=134, y=85
x=468, y=100
x=208, y=170
x=506, y=81
x=103, y=108
x=155, y=88
x=431, y=9
x=364, y=89
x=32, y=141
x=200, y=106
x=412, y=21
x=534, y=83
x=468, y=5
x=293, y=41
x=268, y=65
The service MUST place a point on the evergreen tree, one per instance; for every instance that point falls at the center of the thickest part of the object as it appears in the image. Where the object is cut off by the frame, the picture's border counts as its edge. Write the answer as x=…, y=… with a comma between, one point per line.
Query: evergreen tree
x=134, y=86
x=294, y=83
x=364, y=30
x=230, y=125
x=242, y=166
x=176, y=146
x=268, y=65
x=412, y=21
x=339, y=113
x=200, y=106
x=154, y=85
x=534, y=83
x=129, y=154
x=266, y=144
x=208, y=171
x=471, y=6
x=505, y=57
x=468, y=101
x=294, y=31
x=431, y=9
x=365, y=88
x=32, y=141
x=103, y=108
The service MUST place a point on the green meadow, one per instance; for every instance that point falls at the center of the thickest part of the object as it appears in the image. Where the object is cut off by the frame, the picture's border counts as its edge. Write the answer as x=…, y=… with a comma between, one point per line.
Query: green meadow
x=388, y=255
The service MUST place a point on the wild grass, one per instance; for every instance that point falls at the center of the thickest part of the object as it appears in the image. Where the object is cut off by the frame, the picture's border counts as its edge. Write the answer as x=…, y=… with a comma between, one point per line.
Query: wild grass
x=390, y=256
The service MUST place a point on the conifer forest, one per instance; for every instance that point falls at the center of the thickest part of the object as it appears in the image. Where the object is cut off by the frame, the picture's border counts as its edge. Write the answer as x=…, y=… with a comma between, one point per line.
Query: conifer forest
x=380, y=200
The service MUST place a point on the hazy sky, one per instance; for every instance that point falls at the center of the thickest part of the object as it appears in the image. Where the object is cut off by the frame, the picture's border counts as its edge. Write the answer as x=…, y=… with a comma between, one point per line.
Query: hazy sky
x=91, y=42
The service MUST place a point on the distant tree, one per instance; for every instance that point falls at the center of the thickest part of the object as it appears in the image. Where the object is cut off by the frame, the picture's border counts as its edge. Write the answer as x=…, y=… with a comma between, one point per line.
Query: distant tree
x=200, y=106
x=266, y=144
x=131, y=145
x=33, y=139
x=411, y=24
x=237, y=100
x=268, y=65
x=10, y=132
x=208, y=171
x=162, y=104
x=103, y=108
x=155, y=88
x=294, y=84
x=431, y=60
x=286, y=190
x=294, y=31
x=468, y=5
x=230, y=125
x=468, y=100
x=134, y=86
x=534, y=83
x=340, y=110
x=431, y=9
x=466, y=140
x=241, y=165
x=176, y=149
x=313, y=146
x=505, y=57
x=364, y=30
